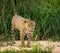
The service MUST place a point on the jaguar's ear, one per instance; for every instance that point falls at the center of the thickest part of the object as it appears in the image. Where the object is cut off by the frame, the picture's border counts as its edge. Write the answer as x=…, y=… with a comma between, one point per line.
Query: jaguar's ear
x=25, y=21
x=34, y=22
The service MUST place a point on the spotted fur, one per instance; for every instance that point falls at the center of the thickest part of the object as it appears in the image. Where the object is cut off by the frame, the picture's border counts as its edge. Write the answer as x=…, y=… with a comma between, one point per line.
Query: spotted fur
x=25, y=26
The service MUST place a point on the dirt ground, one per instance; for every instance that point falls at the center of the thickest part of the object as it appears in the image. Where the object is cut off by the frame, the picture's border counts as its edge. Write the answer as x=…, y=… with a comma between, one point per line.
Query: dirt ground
x=44, y=43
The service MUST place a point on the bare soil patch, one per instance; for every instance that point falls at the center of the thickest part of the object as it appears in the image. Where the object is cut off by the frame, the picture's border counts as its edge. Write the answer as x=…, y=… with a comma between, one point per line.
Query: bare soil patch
x=43, y=43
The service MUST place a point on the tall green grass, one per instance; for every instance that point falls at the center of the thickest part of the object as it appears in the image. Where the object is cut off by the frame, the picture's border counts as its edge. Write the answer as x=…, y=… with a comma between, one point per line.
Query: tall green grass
x=46, y=14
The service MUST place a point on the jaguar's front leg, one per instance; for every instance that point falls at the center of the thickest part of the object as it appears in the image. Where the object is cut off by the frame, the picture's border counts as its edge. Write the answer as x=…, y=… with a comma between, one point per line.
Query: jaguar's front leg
x=29, y=40
x=22, y=38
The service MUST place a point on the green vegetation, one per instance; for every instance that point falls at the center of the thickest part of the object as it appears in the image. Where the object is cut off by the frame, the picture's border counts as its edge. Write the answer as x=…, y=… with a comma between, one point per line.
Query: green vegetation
x=46, y=14
x=25, y=51
x=36, y=48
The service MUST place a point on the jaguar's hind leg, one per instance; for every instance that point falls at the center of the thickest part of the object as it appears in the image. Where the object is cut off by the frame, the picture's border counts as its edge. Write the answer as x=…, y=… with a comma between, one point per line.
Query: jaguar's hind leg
x=13, y=34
